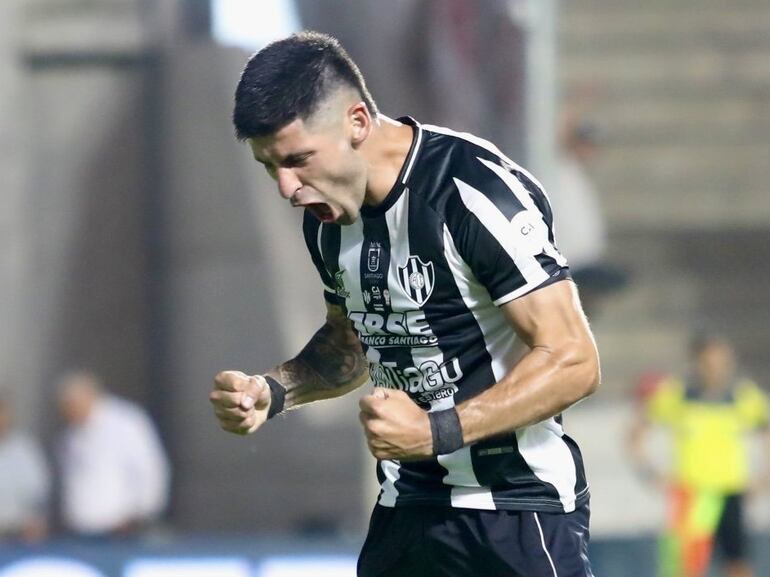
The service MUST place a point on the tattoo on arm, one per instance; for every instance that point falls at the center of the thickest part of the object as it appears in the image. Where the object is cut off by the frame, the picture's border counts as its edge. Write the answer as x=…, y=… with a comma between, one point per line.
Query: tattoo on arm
x=330, y=365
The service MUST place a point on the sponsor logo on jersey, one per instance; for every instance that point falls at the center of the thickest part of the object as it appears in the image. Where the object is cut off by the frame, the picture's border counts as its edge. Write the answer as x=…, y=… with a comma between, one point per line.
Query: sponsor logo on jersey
x=340, y=285
x=408, y=329
x=417, y=279
x=428, y=382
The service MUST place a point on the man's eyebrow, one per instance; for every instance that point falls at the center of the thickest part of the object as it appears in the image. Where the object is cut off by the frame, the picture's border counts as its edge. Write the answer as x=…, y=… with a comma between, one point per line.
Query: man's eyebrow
x=288, y=159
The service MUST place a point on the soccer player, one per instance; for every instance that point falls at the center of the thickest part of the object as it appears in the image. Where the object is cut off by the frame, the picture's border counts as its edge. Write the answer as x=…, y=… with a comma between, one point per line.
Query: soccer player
x=709, y=415
x=443, y=285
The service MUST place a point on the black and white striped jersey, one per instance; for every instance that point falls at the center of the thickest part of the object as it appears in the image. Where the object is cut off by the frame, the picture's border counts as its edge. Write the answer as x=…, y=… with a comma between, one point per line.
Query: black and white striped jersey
x=421, y=276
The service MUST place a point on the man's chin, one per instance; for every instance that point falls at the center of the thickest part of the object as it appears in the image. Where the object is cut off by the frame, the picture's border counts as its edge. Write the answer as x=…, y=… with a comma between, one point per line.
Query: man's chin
x=327, y=215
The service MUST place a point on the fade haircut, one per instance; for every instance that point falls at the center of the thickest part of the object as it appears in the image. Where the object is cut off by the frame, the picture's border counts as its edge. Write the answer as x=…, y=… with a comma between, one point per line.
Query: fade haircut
x=289, y=79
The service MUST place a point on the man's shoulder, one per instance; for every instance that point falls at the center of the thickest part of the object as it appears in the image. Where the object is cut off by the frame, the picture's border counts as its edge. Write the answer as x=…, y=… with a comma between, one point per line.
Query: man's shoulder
x=460, y=141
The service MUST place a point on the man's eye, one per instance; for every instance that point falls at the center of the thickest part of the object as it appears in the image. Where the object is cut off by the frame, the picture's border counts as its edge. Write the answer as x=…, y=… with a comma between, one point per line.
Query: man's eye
x=298, y=161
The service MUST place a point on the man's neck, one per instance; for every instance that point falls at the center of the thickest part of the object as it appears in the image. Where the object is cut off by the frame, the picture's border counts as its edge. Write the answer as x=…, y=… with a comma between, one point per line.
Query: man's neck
x=385, y=150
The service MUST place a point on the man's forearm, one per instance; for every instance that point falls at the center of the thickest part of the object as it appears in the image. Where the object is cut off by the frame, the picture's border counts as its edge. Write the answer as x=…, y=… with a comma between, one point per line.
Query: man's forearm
x=541, y=385
x=560, y=368
x=329, y=366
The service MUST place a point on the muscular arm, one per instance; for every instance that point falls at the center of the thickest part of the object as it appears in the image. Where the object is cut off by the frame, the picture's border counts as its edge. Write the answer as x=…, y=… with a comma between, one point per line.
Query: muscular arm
x=560, y=368
x=331, y=364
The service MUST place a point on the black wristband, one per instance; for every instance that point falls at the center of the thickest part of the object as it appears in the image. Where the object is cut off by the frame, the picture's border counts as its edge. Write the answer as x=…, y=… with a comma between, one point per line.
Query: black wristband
x=277, y=396
x=446, y=430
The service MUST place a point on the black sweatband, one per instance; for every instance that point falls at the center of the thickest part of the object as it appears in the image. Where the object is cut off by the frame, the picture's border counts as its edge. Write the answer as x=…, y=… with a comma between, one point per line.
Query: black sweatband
x=446, y=430
x=277, y=396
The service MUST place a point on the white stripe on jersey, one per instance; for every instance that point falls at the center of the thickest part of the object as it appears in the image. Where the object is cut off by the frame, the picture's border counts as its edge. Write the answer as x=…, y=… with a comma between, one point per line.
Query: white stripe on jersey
x=549, y=458
x=351, y=239
x=522, y=194
x=499, y=227
x=392, y=472
x=473, y=498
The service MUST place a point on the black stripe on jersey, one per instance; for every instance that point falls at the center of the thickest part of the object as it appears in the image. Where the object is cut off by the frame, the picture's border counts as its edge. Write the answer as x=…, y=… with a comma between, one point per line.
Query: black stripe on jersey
x=374, y=266
x=580, y=479
x=490, y=263
x=499, y=465
x=452, y=331
x=330, y=249
x=491, y=185
x=554, y=270
x=310, y=226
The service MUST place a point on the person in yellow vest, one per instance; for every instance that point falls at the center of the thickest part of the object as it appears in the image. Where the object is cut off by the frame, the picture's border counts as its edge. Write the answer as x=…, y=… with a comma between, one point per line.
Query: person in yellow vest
x=709, y=415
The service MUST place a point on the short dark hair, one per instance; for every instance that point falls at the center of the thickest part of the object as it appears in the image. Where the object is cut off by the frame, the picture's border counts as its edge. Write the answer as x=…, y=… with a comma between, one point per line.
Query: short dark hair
x=289, y=78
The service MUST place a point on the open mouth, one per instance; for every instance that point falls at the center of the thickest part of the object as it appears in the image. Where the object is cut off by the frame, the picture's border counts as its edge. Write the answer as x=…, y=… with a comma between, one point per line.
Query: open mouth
x=321, y=211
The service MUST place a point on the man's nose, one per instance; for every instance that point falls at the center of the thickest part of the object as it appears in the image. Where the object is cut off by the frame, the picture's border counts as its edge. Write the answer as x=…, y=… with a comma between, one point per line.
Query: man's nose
x=288, y=183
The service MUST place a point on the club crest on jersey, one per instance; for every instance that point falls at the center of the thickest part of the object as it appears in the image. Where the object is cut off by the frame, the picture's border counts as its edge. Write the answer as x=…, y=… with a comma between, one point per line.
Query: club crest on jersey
x=417, y=279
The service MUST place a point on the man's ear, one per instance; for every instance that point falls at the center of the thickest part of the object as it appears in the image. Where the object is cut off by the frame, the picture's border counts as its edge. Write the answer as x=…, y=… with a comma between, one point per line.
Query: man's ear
x=360, y=123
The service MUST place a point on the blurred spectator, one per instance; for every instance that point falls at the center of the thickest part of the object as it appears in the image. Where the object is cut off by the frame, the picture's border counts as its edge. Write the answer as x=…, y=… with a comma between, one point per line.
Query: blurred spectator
x=579, y=222
x=24, y=482
x=708, y=415
x=115, y=474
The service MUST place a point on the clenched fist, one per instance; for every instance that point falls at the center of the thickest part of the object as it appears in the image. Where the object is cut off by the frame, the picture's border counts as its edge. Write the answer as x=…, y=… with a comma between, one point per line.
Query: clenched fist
x=395, y=427
x=241, y=402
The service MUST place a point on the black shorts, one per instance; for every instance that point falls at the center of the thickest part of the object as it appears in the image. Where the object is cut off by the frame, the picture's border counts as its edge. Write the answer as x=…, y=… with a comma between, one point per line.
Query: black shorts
x=731, y=533
x=445, y=542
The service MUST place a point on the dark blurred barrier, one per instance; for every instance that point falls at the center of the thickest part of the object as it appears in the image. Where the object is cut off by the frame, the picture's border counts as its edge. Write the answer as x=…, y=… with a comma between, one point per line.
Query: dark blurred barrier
x=251, y=557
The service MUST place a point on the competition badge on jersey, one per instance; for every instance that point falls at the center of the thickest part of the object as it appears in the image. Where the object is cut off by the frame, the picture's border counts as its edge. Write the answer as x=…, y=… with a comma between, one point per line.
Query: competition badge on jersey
x=373, y=257
x=417, y=279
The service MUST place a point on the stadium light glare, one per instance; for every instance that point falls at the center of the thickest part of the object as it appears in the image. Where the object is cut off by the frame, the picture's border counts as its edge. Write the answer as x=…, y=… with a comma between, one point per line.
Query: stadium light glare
x=326, y=566
x=49, y=567
x=252, y=25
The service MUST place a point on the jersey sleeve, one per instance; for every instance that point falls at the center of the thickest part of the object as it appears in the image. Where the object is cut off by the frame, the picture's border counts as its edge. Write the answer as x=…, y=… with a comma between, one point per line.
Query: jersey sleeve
x=313, y=233
x=665, y=402
x=752, y=405
x=502, y=225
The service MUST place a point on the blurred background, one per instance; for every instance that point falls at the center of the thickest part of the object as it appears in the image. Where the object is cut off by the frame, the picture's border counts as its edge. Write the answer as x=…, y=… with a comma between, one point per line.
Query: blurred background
x=140, y=242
